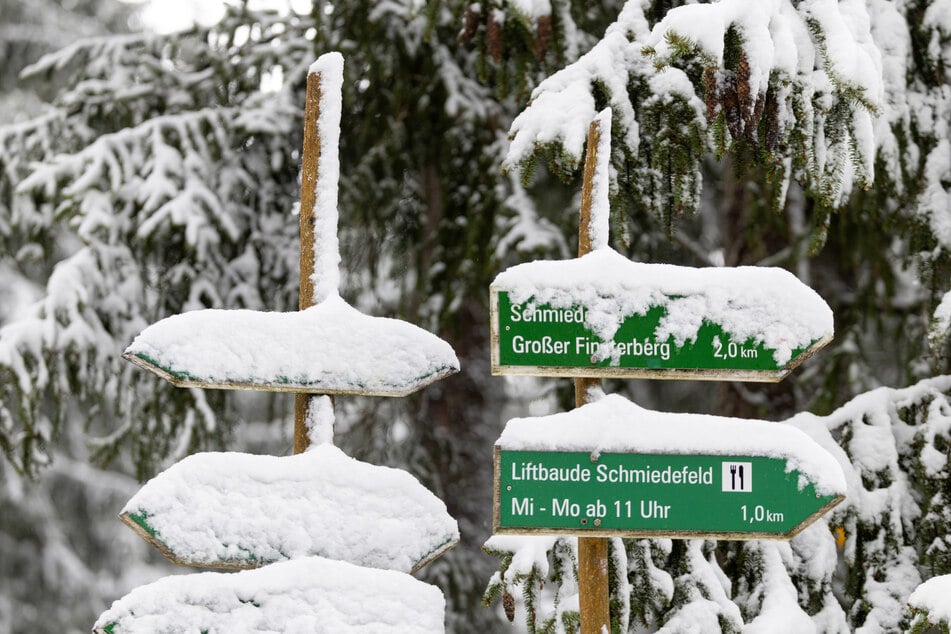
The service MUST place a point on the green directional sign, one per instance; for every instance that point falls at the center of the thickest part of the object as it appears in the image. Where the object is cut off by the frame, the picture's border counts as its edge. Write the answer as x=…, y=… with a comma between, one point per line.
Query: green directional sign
x=652, y=495
x=541, y=340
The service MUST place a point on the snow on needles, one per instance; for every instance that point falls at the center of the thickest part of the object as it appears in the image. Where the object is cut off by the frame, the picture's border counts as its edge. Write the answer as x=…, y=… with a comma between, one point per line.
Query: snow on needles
x=330, y=347
x=934, y=598
x=240, y=510
x=614, y=424
x=775, y=38
x=312, y=595
x=768, y=305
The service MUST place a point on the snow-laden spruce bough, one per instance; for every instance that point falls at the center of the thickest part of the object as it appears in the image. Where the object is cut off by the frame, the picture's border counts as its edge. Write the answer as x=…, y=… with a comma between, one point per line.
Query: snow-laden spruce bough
x=332, y=539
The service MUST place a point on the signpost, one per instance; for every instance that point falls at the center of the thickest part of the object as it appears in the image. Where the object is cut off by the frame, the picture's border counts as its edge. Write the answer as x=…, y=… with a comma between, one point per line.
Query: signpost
x=652, y=495
x=601, y=315
x=542, y=340
x=233, y=510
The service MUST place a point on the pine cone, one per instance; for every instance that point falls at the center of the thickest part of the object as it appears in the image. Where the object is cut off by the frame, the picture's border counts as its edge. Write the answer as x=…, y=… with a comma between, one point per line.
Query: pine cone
x=542, y=37
x=494, y=38
x=508, y=604
x=471, y=24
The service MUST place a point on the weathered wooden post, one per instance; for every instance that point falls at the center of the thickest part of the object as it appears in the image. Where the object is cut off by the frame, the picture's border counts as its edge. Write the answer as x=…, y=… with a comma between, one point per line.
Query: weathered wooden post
x=317, y=223
x=593, y=551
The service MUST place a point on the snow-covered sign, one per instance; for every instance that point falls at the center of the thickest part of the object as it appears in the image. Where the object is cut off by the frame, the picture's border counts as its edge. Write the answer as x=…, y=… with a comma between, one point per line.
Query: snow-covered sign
x=611, y=468
x=305, y=595
x=602, y=315
x=233, y=510
x=330, y=348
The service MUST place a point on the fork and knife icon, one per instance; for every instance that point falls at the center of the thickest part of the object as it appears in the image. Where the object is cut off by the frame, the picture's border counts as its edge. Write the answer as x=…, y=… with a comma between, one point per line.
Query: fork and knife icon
x=733, y=471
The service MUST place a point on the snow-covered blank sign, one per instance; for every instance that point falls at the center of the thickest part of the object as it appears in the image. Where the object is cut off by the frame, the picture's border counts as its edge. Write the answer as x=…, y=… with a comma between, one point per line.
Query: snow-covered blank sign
x=233, y=510
x=330, y=348
x=602, y=315
x=611, y=468
x=311, y=595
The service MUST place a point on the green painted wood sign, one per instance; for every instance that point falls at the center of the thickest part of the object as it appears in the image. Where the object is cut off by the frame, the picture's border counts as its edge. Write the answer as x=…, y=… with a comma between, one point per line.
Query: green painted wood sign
x=652, y=495
x=602, y=315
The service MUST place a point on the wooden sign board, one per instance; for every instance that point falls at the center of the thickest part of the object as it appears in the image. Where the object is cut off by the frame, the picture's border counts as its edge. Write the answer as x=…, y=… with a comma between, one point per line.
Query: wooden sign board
x=330, y=348
x=612, y=468
x=746, y=324
x=232, y=511
x=312, y=594
x=652, y=495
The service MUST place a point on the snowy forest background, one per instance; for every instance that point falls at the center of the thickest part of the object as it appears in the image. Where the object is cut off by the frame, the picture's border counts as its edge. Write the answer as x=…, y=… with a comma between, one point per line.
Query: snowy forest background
x=142, y=175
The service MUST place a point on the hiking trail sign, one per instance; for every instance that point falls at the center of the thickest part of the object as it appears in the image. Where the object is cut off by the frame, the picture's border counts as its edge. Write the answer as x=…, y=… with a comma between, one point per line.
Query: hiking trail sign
x=602, y=315
x=611, y=468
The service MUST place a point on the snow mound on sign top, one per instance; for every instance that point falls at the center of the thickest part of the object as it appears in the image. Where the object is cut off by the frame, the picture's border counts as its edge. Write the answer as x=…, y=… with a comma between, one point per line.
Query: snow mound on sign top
x=311, y=595
x=768, y=305
x=614, y=424
x=242, y=510
x=328, y=348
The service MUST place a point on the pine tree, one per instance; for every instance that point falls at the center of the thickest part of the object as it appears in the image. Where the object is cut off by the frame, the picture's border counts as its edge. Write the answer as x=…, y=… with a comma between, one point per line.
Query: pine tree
x=162, y=178
x=163, y=175
x=808, y=160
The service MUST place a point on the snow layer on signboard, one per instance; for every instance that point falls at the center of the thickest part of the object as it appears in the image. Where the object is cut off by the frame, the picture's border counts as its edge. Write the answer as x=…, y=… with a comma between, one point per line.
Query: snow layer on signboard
x=330, y=346
x=244, y=510
x=934, y=598
x=614, y=424
x=311, y=595
x=768, y=305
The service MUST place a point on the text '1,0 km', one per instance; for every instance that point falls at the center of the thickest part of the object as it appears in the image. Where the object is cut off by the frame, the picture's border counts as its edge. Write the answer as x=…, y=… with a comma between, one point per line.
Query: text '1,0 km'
x=650, y=495
x=567, y=318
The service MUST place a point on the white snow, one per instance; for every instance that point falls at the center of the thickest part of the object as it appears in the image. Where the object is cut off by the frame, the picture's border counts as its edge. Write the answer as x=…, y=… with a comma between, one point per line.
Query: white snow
x=326, y=276
x=327, y=348
x=242, y=510
x=311, y=595
x=769, y=305
x=614, y=424
x=775, y=38
x=599, y=222
x=320, y=420
x=562, y=106
x=934, y=597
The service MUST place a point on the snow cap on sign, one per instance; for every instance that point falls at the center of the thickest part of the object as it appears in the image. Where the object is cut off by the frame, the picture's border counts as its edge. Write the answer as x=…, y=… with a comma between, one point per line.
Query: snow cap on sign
x=614, y=424
x=328, y=348
x=242, y=511
x=305, y=595
x=768, y=305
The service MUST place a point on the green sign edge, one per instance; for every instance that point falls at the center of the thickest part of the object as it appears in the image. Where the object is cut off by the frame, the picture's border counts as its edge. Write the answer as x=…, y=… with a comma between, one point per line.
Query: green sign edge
x=697, y=374
x=640, y=534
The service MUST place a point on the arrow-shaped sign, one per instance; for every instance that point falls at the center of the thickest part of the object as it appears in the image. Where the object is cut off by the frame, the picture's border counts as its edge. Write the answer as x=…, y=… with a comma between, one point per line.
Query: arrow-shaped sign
x=304, y=595
x=650, y=474
x=234, y=510
x=602, y=315
x=330, y=348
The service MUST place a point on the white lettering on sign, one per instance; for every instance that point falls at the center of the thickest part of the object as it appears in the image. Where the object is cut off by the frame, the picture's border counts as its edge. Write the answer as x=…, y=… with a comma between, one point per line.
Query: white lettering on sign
x=538, y=472
x=632, y=348
x=545, y=345
x=574, y=315
x=737, y=476
x=647, y=475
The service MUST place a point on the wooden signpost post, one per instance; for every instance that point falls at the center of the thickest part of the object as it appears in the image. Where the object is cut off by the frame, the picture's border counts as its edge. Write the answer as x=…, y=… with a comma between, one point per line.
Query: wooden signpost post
x=308, y=512
x=603, y=316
